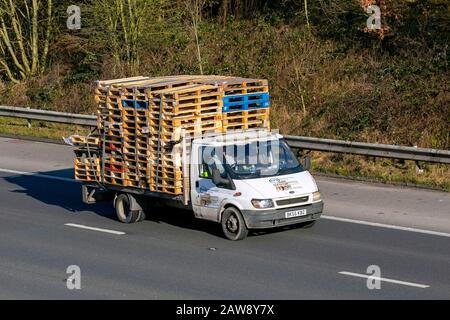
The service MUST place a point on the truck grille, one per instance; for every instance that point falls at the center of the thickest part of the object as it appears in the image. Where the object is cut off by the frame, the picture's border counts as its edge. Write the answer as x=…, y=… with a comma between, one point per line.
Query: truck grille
x=286, y=202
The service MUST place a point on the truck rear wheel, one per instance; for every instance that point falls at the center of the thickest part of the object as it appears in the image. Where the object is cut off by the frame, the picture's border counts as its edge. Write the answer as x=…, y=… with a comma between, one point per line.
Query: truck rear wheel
x=233, y=225
x=123, y=211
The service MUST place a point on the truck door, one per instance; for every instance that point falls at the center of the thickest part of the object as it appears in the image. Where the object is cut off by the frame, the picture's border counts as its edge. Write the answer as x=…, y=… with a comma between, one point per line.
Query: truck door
x=206, y=196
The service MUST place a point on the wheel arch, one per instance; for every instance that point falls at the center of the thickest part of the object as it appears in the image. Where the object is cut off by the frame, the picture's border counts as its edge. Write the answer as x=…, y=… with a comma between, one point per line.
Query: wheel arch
x=227, y=205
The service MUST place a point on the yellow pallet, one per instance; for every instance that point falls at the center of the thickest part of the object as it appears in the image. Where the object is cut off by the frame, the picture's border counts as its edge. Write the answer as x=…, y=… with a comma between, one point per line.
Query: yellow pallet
x=141, y=184
x=114, y=181
x=83, y=141
x=249, y=125
x=164, y=176
x=244, y=117
x=166, y=188
x=86, y=169
x=239, y=85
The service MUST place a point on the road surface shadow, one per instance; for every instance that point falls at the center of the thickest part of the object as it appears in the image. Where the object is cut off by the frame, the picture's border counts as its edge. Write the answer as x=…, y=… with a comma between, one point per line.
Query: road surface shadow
x=183, y=219
x=67, y=195
x=64, y=194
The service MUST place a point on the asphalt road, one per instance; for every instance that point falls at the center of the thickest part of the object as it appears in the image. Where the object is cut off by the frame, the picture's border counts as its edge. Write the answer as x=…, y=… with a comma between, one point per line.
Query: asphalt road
x=173, y=256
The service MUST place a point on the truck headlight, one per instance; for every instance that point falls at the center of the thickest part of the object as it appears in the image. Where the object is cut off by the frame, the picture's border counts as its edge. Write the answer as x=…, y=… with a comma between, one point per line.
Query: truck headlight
x=316, y=196
x=262, y=204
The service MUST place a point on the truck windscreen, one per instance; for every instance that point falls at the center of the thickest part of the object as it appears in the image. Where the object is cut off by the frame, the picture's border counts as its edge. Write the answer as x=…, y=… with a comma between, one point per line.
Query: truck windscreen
x=260, y=159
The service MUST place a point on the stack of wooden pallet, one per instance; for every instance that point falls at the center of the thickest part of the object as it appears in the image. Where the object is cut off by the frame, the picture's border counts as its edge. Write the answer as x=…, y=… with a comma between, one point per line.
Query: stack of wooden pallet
x=140, y=121
x=86, y=161
x=246, y=104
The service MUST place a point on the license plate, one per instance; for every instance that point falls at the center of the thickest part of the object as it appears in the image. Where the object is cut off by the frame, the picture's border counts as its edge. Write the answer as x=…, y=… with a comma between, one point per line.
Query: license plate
x=295, y=213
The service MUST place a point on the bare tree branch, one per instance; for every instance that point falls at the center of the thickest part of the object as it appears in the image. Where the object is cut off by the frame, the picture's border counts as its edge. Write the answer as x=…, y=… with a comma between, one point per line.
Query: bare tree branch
x=24, y=37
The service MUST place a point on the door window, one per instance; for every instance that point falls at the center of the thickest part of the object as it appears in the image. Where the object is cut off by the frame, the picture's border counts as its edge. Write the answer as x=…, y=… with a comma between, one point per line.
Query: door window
x=209, y=160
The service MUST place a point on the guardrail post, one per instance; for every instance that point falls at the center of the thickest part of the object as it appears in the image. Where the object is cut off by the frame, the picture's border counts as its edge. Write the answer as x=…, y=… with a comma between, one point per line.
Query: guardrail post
x=28, y=121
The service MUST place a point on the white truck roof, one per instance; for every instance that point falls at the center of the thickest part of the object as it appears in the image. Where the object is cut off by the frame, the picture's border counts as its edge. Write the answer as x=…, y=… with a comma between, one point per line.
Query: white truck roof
x=237, y=137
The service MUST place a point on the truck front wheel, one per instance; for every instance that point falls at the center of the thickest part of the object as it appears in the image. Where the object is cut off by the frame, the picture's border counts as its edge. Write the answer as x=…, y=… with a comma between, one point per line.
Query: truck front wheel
x=123, y=209
x=233, y=225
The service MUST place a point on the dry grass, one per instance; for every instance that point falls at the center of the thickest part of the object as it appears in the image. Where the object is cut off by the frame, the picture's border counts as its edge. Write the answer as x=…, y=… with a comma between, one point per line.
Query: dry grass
x=39, y=129
x=383, y=170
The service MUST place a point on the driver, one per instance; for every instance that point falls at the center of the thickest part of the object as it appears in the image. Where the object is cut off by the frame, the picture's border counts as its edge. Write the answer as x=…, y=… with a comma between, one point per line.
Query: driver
x=210, y=163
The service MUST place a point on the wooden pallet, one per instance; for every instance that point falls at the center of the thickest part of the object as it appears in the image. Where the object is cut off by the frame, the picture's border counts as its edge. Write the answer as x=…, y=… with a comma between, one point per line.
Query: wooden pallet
x=195, y=110
x=84, y=141
x=249, y=125
x=131, y=139
x=243, y=102
x=142, y=88
x=116, y=181
x=192, y=108
x=188, y=95
x=166, y=187
x=171, y=121
x=86, y=176
x=237, y=85
x=135, y=163
x=245, y=116
x=165, y=161
x=164, y=175
x=114, y=159
x=136, y=117
x=87, y=169
x=141, y=184
x=130, y=125
x=211, y=126
x=249, y=119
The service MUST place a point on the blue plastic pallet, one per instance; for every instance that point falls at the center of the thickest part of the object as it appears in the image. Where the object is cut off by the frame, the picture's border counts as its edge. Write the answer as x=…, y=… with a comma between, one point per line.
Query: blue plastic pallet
x=135, y=104
x=248, y=101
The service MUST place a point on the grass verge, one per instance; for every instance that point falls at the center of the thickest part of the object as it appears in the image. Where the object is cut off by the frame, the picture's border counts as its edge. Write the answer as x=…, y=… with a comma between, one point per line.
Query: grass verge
x=39, y=129
x=394, y=171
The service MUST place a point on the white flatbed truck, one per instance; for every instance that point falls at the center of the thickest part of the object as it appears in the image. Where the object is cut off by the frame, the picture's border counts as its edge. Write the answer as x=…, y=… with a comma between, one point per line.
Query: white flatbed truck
x=243, y=180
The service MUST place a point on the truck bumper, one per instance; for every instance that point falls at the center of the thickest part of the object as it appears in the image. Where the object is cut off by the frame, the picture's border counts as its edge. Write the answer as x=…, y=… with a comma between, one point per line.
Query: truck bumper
x=261, y=219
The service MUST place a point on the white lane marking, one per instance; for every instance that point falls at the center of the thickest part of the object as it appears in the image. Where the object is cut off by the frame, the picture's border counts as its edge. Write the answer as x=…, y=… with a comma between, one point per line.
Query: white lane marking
x=388, y=226
x=373, y=224
x=94, y=229
x=405, y=283
x=39, y=175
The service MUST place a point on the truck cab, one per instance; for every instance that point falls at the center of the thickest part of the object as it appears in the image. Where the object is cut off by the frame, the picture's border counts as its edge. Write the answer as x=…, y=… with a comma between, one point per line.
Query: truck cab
x=250, y=180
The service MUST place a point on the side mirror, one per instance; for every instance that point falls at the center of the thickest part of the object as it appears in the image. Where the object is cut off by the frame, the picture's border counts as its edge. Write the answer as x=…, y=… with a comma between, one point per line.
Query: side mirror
x=307, y=163
x=219, y=181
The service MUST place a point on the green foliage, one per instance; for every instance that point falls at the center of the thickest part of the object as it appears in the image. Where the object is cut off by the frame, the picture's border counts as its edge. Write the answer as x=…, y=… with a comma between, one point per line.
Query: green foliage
x=333, y=80
x=44, y=97
x=25, y=31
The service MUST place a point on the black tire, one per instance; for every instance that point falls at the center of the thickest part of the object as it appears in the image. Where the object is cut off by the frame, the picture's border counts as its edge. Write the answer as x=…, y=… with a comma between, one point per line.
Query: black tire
x=122, y=205
x=308, y=224
x=233, y=225
x=142, y=216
